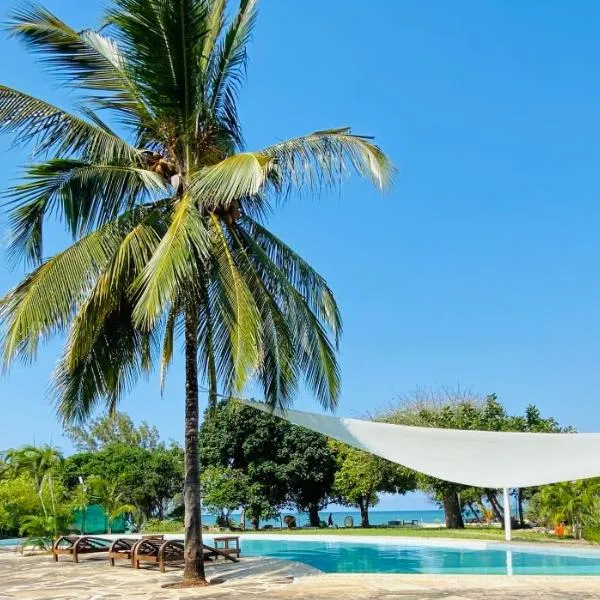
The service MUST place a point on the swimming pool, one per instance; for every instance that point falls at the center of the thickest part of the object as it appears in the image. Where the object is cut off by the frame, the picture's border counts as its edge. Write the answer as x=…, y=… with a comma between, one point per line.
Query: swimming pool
x=348, y=557
x=10, y=542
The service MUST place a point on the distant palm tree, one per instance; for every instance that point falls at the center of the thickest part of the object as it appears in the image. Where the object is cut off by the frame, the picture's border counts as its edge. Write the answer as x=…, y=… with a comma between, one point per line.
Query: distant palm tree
x=110, y=495
x=39, y=462
x=166, y=219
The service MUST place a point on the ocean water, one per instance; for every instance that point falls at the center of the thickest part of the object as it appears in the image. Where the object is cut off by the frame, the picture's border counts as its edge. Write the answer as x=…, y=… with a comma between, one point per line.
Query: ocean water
x=376, y=517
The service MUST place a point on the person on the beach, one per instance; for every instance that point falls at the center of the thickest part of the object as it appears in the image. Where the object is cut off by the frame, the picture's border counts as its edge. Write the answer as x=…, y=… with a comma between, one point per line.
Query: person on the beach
x=330, y=520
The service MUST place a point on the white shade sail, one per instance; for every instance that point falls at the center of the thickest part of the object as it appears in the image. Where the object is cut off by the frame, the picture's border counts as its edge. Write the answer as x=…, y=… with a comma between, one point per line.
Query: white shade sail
x=477, y=458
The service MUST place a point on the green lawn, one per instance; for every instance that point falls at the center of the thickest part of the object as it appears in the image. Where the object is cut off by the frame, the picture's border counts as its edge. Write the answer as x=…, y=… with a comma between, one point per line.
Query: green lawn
x=471, y=533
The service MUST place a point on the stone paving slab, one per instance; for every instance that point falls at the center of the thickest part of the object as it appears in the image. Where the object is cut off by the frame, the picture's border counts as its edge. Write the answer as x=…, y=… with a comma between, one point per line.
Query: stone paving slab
x=39, y=578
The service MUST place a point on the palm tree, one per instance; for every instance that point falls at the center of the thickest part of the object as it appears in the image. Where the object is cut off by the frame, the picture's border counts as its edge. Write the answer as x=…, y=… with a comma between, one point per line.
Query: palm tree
x=39, y=462
x=574, y=502
x=110, y=496
x=166, y=213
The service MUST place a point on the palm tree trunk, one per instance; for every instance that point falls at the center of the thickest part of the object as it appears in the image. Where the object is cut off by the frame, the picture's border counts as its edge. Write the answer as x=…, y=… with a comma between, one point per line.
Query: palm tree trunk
x=53, y=504
x=41, y=495
x=194, y=563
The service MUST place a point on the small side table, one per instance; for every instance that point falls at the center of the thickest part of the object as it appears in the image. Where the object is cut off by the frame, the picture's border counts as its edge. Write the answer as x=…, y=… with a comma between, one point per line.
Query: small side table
x=230, y=544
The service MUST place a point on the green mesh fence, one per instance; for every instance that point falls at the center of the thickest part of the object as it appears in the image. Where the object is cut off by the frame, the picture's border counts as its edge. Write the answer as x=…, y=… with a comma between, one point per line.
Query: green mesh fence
x=93, y=520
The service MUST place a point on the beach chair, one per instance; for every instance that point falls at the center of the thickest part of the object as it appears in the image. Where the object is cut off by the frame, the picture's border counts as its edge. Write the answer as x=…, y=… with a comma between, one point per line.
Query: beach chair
x=75, y=545
x=163, y=552
x=124, y=548
x=157, y=552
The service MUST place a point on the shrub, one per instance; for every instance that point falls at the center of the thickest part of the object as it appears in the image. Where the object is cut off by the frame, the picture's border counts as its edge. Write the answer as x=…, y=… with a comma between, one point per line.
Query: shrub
x=592, y=534
x=163, y=526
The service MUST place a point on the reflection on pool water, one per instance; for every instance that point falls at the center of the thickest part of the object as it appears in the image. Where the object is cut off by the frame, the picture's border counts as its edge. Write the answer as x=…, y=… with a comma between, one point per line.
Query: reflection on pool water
x=336, y=557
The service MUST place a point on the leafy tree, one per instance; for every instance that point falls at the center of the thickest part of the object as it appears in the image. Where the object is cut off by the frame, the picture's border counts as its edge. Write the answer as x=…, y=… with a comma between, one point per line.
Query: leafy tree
x=574, y=502
x=461, y=409
x=284, y=464
x=534, y=422
x=224, y=490
x=111, y=496
x=115, y=428
x=166, y=219
x=451, y=409
x=150, y=478
x=245, y=439
x=309, y=467
x=360, y=476
x=18, y=498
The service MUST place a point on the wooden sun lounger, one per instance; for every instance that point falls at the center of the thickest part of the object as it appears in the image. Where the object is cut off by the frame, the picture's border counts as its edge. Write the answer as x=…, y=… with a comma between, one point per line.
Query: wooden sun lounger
x=158, y=552
x=79, y=544
x=124, y=548
x=162, y=552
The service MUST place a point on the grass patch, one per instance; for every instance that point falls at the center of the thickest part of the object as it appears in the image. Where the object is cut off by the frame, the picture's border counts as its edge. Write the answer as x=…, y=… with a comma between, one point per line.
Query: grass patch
x=470, y=533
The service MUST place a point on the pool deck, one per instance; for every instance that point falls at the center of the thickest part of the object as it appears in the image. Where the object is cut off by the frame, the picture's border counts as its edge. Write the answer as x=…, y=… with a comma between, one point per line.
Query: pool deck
x=40, y=578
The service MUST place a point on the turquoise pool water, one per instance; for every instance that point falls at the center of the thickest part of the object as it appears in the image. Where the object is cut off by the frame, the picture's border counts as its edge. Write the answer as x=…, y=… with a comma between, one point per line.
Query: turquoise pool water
x=379, y=558
x=10, y=542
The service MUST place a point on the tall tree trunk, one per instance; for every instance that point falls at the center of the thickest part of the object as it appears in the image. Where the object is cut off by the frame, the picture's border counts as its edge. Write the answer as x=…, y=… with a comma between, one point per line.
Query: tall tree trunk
x=363, y=504
x=497, y=510
x=313, y=515
x=53, y=505
x=40, y=487
x=194, y=563
x=520, y=507
x=454, y=519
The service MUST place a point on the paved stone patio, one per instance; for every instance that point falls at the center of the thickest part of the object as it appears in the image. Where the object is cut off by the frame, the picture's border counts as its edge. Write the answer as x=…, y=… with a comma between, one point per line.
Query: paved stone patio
x=39, y=578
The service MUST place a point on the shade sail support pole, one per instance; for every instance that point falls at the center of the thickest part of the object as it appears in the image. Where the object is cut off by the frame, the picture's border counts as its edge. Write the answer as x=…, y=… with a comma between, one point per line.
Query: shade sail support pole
x=507, y=516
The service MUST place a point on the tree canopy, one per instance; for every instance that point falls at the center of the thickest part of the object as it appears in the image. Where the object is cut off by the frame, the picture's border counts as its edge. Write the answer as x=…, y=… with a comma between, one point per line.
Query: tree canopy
x=461, y=409
x=115, y=428
x=360, y=476
x=285, y=465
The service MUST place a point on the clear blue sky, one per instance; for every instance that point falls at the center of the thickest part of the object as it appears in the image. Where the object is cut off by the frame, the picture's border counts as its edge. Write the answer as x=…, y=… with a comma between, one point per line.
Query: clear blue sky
x=481, y=266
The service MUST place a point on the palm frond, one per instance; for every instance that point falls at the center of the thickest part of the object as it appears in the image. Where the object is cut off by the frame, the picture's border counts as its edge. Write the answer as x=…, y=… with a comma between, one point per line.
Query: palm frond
x=315, y=161
x=298, y=273
x=216, y=313
x=226, y=70
x=277, y=370
x=142, y=233
x=45, y=301
x=51, y=129
x=244, y=327
x=174, y=265
x=208, y=344
x=314, y=353
x=83, y=60
x=163, y=43
x=84, y=195
x=109, y=370
x=215, y=21
x=167, y=346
